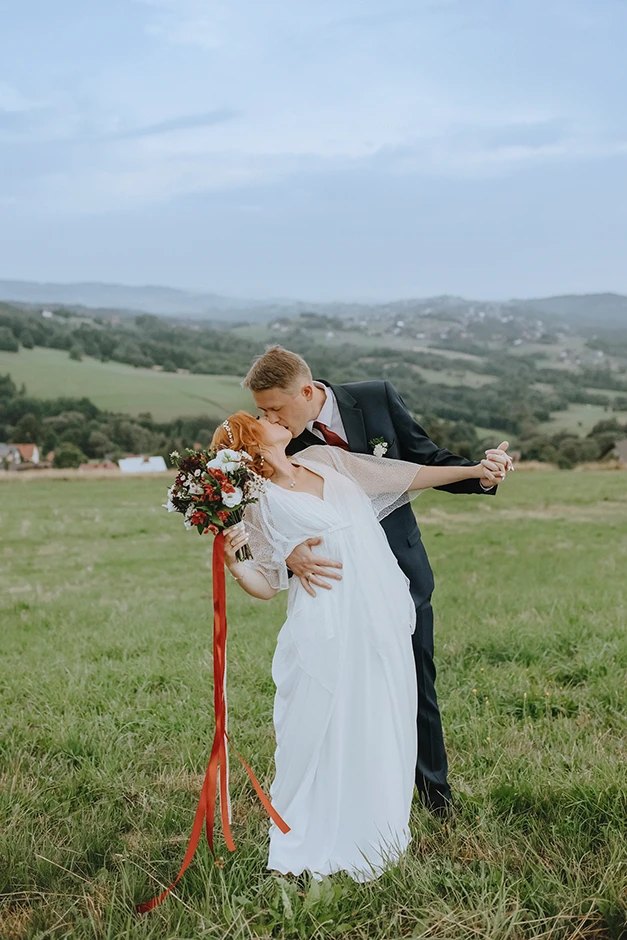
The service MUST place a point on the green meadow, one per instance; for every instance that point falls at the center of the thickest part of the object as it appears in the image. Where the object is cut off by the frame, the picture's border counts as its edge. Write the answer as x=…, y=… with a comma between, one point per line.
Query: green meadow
x=581, y=418
x=106, y=716
x=113, y=386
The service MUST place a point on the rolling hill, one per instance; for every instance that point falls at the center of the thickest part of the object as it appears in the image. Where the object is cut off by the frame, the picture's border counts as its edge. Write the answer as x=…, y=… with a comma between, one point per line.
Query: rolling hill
x=167, y=301
x=586, y=309
x=114, y=386
x=469, y=372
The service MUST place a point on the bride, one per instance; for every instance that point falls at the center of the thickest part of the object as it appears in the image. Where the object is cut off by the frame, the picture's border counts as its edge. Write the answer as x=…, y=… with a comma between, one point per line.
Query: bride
x=345, y=704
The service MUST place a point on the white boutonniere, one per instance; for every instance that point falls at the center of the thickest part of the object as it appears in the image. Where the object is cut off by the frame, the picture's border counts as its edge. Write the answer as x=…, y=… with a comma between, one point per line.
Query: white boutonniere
x=379, y=446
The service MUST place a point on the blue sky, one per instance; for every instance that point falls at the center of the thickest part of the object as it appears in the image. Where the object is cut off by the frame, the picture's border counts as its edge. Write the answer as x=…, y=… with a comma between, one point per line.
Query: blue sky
x=365, y=149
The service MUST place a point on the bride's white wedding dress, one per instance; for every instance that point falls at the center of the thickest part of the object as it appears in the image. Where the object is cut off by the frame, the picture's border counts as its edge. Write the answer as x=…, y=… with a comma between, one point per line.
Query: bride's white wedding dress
x=345, y=706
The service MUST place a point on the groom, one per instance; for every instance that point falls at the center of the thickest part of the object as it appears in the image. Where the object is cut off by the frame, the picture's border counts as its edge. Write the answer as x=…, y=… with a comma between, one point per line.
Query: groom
x=356, y=417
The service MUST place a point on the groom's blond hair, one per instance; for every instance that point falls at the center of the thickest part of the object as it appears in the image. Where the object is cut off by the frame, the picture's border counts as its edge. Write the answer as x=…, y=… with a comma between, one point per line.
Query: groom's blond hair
x=277, y=368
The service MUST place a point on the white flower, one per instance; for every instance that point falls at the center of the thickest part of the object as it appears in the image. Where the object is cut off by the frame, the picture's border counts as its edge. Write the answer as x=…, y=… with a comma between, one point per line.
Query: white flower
x=232, y=499
x=226, y=460
x=380, y=450
x=175, y=455
x=234, y=455
x=255, y=486
x=170, y=505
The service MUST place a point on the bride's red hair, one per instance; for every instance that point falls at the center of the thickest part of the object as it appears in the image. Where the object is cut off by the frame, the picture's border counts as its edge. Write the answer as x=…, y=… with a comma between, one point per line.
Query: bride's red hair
x=246, y=434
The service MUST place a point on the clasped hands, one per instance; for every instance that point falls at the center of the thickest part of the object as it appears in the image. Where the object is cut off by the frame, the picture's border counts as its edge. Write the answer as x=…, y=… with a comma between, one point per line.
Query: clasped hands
x=315, y=571
x=496, y=464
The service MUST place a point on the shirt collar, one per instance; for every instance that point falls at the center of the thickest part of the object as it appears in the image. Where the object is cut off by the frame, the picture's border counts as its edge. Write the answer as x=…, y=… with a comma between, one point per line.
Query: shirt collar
x=326, y=412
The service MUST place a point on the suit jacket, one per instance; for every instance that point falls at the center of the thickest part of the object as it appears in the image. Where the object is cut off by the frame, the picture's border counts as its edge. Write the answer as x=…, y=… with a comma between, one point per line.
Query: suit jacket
x=375, y=409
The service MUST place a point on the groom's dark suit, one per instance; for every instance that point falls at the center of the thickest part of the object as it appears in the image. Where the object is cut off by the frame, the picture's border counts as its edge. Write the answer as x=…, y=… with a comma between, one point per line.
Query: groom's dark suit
x=375, y=410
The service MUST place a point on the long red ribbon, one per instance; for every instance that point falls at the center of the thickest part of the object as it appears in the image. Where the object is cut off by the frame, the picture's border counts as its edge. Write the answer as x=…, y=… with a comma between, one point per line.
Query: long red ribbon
x=218, y=761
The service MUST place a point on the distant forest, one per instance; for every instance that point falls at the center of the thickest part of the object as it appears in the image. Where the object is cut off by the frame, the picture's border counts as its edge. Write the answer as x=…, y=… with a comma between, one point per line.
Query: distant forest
x=451, y=415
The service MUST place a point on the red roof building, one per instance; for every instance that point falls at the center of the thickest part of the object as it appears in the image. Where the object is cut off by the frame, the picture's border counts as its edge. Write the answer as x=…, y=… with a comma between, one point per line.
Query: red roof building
x=29, y=453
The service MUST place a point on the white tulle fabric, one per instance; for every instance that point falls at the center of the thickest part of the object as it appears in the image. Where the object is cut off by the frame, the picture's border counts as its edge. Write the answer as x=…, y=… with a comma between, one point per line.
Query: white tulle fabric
x=345, y=705
x=271, y=523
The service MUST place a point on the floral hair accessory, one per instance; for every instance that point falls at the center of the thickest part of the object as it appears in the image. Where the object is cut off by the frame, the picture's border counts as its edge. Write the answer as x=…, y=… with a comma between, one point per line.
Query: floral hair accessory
x=227, y=428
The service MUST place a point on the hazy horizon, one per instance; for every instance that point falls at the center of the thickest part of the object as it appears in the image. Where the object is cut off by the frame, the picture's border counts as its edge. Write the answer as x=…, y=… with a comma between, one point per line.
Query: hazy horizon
x=293, y=299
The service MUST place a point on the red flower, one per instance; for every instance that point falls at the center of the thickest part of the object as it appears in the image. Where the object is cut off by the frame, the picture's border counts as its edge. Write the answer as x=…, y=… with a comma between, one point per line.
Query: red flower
x=212, y=528
x=198, y=517
x=227, y=486
x=217, y=474
x=222, y=515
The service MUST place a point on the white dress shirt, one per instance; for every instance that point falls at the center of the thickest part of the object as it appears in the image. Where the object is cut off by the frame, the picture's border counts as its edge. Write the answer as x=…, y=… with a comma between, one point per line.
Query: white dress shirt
x=329, y=415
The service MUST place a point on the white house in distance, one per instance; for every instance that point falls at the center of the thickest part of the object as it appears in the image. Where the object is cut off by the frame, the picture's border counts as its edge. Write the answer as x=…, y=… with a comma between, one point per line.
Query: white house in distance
x=142, y=465
x=9, y=456
x=29, y=453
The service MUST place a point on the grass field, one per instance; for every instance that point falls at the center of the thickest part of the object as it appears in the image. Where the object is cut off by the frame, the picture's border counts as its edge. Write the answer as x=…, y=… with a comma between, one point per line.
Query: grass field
x=105, y=704
x=455, y=378
x=50, y=373
x=580, y=419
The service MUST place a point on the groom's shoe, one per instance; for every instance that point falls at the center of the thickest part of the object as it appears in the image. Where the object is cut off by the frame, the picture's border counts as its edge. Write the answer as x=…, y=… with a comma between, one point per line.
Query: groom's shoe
x=439, y=802
x=440, y=805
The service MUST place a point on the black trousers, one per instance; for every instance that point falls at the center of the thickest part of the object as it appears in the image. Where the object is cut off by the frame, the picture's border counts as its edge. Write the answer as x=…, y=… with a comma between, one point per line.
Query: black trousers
x=432, y=765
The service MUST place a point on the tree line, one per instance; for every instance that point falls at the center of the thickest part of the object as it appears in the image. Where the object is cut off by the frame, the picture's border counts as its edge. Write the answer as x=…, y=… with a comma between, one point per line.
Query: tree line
x=77, y=430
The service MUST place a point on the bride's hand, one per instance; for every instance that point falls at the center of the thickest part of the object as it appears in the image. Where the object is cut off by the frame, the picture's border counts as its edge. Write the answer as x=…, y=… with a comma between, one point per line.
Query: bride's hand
x=235, y=537
x=495, y=465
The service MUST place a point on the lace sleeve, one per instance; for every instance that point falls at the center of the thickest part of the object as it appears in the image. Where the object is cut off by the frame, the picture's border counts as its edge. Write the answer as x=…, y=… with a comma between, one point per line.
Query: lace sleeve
x=268, y=541
x=384, y=480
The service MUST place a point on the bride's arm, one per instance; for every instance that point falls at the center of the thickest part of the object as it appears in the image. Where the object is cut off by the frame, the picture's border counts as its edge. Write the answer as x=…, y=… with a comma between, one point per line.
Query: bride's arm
x=250, y=580
x=428, y=476
x=385, y=479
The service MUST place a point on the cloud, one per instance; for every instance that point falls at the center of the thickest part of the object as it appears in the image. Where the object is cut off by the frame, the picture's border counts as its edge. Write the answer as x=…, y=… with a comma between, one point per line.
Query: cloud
x=465, y=151
x=12, y=101
x=321, y=88
x=194, y=22
x=185, y=122
x=533, y=134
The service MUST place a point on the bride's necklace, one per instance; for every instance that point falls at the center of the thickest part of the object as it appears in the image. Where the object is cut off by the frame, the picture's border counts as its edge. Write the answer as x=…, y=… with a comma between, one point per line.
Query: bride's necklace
x=292, y=482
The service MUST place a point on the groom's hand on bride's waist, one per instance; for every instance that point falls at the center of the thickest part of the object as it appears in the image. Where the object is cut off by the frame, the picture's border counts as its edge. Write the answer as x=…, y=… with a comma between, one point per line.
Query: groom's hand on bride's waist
x=313, y=569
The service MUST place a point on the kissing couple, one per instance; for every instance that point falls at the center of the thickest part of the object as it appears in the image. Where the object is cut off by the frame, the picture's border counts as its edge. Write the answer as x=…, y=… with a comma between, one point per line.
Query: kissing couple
x=355, y=713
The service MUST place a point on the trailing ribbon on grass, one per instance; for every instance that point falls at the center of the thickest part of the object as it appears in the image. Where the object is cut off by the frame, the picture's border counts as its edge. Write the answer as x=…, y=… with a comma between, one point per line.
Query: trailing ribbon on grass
x=218, y=766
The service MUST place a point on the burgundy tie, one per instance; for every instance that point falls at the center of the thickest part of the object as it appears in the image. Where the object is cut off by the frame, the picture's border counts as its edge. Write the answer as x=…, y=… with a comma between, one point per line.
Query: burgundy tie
x=331, y=438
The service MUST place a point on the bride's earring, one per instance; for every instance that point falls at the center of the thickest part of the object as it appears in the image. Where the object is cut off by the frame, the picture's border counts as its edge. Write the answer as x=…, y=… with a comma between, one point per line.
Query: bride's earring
x=263, y=461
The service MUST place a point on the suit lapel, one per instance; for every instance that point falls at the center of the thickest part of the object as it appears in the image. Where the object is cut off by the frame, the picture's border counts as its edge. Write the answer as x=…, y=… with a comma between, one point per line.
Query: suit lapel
x=352, y=419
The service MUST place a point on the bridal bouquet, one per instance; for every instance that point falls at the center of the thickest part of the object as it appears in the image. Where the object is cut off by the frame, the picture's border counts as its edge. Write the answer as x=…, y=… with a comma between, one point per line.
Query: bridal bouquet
x=211, y=489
